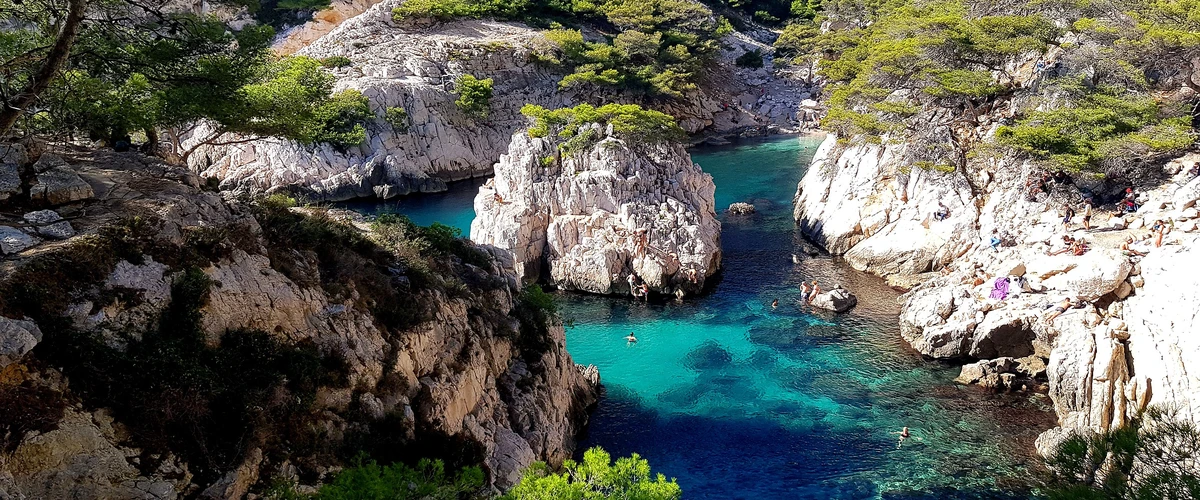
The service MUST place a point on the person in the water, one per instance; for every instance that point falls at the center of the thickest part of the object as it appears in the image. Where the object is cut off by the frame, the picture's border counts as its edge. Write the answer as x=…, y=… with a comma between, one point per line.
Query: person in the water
x=775, y=304
x=904, y=434
x=631, y=339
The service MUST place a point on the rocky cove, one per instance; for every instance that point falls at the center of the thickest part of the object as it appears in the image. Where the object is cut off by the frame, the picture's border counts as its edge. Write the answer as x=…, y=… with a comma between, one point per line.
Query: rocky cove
x=532, y=198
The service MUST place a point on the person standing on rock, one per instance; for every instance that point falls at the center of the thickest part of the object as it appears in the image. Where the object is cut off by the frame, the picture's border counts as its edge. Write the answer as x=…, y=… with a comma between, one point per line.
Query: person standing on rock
x=1087, y=215
x=816, y=290
x=804, y=292
x=1068, y=214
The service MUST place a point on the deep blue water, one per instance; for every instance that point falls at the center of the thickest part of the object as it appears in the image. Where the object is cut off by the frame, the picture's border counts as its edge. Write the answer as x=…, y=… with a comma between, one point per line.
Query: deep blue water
x=739, y=400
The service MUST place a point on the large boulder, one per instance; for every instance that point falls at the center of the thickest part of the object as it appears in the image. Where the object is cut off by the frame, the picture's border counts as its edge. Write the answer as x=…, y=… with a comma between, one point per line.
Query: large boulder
x=837, y=300
x=17, y=337
x=1187, y=195
x=59, y=185
x=591, y=220
x=939, y=321
x=1093, y=275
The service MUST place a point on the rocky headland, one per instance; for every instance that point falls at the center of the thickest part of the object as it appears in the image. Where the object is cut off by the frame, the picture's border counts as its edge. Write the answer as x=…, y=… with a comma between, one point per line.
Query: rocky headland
x=160, y=340
x=608, y=219
x=413, y=65
x=951, y=237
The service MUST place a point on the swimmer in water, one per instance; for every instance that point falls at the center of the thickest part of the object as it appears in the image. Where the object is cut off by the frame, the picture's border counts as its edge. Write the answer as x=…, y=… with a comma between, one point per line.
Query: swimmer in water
x=904, y=434
x=631, y=338
x=775, y=304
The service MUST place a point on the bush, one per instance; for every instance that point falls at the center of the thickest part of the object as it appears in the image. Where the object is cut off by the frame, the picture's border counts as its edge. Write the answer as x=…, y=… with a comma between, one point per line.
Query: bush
x=335, y=62
x=628, y=121
x=474, y=95
x=367, y=480
x=1152, y=458
x=26, y=409
x=397, y=117
x=595, y=477
x=750, y=59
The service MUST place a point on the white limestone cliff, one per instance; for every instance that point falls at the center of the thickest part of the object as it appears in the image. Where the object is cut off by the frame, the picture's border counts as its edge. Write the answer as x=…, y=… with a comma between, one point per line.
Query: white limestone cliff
x=413, y=65
x=1130, y=345
x=591, y=221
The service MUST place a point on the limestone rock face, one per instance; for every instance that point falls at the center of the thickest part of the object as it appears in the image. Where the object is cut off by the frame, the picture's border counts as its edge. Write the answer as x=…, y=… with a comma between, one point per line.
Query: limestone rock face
x=600, y=216
x=456, y=373
x=17, y=337
x=856, y=202
x=837, y=300
x=10, y=180
x=413, y=65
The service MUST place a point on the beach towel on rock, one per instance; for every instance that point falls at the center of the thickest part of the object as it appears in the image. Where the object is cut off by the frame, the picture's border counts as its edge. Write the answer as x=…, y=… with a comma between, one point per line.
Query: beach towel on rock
x=1000, y=289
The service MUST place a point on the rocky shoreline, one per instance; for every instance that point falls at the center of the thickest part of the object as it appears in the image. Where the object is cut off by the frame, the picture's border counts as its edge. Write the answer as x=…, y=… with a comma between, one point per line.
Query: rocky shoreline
x=1117, y=351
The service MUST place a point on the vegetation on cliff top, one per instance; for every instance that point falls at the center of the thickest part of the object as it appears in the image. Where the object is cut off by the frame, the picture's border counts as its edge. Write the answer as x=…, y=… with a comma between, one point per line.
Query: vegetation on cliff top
x=657, y=47
x=571, y=128
x=924, y=73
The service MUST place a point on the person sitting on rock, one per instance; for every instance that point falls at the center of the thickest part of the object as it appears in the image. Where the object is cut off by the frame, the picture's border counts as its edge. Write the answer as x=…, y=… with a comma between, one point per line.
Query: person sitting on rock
x=1062, y=307
x=499, y=199
x=995, y=240
x=942, y=212
x=633, y=286
x=1127, y=248
x=1068, y=243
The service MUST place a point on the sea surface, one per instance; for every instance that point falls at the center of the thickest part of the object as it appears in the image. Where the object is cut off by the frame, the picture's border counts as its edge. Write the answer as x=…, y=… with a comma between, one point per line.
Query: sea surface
x=736, y=399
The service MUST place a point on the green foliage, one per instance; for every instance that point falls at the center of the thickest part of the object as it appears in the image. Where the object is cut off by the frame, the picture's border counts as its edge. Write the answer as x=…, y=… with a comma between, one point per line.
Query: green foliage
x=367, y=480
x=397, y=117
x=474, y=95
x=1095, y=129
x=1152, y=458
x=169, y=72
x=629, y=121
x=596, y=477
x=335, y=62
x=750, y=59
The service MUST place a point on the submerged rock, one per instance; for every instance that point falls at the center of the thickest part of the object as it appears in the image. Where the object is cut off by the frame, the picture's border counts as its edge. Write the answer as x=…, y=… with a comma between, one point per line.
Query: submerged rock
x=591, y=220
x=741, y=208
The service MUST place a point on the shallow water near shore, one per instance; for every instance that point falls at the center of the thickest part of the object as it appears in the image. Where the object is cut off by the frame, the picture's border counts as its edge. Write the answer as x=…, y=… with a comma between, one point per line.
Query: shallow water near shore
x=739, y=400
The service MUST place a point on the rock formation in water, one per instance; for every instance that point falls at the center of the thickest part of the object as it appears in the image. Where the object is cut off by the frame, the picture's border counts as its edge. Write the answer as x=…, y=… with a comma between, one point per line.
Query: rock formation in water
x=1127, y=347
x=413, y=66
x=597, y=220
x=431, y=352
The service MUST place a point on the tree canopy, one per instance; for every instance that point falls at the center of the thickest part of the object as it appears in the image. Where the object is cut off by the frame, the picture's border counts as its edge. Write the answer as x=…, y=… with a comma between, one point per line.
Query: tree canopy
x=596, y=477
x=129, y=67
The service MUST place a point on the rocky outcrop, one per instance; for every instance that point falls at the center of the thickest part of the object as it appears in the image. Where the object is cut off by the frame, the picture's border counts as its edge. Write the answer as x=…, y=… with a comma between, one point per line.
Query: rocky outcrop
x=598, y=220
x=461, y=369
x=413, y=66
x=860, y=202
x=1122, y=346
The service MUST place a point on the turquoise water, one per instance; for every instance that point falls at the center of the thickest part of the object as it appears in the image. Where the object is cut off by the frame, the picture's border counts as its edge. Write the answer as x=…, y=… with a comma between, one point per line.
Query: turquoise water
x=454, y=207
x=739, y=400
